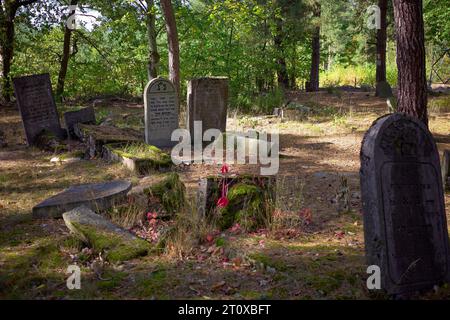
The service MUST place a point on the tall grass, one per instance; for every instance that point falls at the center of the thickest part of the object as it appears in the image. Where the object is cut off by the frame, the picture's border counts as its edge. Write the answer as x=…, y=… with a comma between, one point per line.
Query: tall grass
x=356, y=75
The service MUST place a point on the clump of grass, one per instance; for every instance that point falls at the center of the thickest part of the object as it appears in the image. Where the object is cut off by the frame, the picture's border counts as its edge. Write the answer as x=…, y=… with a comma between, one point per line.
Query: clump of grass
x=190, y=229
x=439, y=105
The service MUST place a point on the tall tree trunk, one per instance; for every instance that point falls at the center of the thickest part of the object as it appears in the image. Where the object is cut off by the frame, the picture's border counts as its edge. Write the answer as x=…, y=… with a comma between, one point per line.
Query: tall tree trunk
x=313, y=84
x=315, y=56
x=7, y=56
x=282, y=74
x=381, y=44
x=412, y=83
x=8, y=10
x=315, y=62
x=153, y=55
x=174, y=49
x=65, y=57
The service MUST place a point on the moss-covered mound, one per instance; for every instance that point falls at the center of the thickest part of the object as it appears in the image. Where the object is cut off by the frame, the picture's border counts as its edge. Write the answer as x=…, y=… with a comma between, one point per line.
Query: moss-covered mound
x=117, y=248
x=103, y=236
x=171, y=192
x=247, y=206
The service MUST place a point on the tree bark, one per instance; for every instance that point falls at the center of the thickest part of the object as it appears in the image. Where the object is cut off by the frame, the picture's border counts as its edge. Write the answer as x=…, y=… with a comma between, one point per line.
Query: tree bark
x=65, y=57
x=315, y=56
x=8, y=10
x=174, y=49
x=153, y=55
x=381, y=44
x=282, y=74
x=412, y=83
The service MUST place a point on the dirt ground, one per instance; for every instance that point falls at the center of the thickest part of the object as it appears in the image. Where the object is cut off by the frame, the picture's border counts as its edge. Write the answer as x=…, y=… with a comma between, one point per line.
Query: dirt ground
x=321, y=260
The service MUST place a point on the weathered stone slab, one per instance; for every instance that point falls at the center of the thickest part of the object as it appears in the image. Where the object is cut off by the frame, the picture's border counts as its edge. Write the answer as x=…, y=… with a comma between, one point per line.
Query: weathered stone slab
x=84, y=116
x=207, y=100
x=104, y=236
x=98, y=196
x=405, y=225
x=37, y=106
x=161, y=112
x=95, y=137
x=138, y=157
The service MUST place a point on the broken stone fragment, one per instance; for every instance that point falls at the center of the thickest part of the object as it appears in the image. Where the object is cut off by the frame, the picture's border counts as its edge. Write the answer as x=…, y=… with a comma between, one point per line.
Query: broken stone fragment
x=104, y=236
x=98, y=196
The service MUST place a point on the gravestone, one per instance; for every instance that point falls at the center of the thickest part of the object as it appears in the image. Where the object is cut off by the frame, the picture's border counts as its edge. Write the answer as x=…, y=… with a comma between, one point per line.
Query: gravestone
x=161, y=112
x=37, y=106
x=84, y=116
x=384, y=90
x=97, y=196
x=405, y=226
x=207, y=102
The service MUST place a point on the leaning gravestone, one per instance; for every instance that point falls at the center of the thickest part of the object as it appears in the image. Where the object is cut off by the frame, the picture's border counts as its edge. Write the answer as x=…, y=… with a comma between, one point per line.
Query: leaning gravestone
x=84, y=116
x=207, y=102
x=161, y=112
x=37, y=106
x=98, y=196
x=405, y=225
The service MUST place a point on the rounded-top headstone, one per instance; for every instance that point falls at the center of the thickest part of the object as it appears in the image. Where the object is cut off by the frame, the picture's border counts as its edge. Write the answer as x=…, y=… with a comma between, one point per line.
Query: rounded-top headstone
x=161, y=112
x=405, y=226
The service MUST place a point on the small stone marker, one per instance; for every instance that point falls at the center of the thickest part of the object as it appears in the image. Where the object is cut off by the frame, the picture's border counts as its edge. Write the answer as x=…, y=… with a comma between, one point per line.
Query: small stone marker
x=403, y=205
x=37, y=106
x=97, y=196
x=384, y=90
x=207, y=102
x=161, y=112
x=84, y=116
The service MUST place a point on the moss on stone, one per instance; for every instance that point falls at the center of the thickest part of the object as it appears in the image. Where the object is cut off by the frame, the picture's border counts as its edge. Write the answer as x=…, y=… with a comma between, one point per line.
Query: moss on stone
x=247, y=206
x=71, y=155
x=171, y=192
x=145, y=156
x=117, y=248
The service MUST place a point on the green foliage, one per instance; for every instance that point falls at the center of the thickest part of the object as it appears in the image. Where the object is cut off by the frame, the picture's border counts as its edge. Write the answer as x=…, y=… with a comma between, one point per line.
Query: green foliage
x=233, y=38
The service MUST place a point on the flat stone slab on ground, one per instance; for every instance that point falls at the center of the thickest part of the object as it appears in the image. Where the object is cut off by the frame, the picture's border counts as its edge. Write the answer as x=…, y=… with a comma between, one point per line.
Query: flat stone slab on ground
x=140, y=157
x=97, y=136
x=98, y=196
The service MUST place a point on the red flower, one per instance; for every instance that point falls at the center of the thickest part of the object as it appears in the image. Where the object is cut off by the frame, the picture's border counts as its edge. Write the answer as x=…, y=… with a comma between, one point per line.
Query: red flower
x=223, y=202
x=152, y=215
x=210, y=238
x=225, y=169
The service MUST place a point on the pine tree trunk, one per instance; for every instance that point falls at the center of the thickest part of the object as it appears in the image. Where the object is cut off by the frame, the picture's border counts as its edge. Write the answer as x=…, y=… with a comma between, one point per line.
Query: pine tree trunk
x=412, y=83
x=282, y=74
x=313, y=84
x=65, y=58
x=174, y=49
x=7, y=52
x=381, y=44
x=153, y=55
